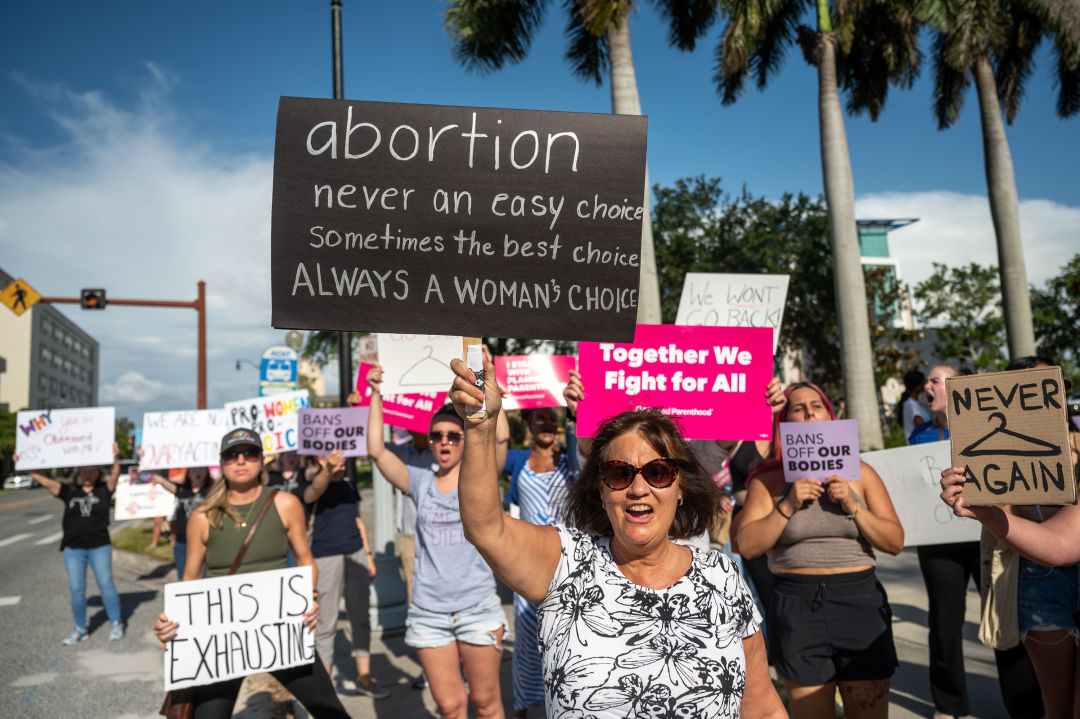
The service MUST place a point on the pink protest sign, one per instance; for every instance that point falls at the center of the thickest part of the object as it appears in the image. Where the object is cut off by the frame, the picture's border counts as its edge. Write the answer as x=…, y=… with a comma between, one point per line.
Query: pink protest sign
x=409, y=411
x=711, y=379
x=530, y=381
x=820, y=450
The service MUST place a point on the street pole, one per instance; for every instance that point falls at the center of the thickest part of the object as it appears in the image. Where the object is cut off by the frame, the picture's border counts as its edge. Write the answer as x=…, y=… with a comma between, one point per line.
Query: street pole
x=388, y=600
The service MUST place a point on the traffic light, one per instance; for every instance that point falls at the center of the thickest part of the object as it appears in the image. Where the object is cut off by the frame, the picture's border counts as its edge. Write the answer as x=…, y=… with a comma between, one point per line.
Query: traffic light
x=93, y=299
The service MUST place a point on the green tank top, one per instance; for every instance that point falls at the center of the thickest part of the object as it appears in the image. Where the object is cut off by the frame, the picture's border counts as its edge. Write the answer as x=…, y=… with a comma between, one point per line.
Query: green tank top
x=266, y=551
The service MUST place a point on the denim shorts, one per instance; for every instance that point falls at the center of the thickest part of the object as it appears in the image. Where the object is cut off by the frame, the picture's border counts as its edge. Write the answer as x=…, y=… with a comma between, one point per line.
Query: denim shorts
x=477, y=624
x=1048, y=598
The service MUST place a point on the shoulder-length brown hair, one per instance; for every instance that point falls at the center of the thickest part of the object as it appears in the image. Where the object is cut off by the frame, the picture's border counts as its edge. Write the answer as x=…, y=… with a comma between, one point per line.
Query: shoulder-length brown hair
x=701, y=498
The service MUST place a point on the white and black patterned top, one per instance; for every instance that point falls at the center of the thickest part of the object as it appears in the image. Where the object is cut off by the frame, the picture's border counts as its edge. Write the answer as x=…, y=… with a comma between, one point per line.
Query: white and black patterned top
x=612, y=648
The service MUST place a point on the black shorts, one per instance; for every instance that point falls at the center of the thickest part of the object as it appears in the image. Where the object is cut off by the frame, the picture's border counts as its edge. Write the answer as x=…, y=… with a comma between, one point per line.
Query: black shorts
x=830, y=627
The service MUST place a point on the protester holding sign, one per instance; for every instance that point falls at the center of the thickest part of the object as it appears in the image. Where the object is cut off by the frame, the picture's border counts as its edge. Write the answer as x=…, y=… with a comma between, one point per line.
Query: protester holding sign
x=829, y=619
x=455, y=617
x=216, y=531
x=946, y=570
x=86, y=542
x=1047, y=538
x=346, y=566
x=538, y=477
x=629, y=621
x=189, y=495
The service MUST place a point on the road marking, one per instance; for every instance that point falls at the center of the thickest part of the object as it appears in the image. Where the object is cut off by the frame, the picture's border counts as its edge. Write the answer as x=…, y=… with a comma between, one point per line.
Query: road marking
x=12, y=540
x=51, y=539
x=39, y=520
x=25, y=502
x=9, y=601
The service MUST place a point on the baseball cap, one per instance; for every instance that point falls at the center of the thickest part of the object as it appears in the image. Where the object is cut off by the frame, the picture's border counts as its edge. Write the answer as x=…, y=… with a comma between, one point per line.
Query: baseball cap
x=240, y=437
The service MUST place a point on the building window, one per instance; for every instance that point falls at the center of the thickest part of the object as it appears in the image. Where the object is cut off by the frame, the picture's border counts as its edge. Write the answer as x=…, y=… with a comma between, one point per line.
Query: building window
x=58, y=334
x=43, y=384
x=46, y=327
x=58, y=361
x=46, y=354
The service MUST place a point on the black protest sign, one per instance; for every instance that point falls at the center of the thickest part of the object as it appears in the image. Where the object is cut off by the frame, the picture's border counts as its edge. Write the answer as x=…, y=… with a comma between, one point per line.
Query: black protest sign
x=1009, y=432
x=456, y=220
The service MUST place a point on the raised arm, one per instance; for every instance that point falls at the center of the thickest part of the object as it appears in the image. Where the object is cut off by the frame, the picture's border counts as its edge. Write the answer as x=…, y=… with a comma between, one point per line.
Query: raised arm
x=523, y=555
x=52, y=486
x=165, y=484
x=395, y=471
x=1055, y=542
x=573, y=393
x=114, y=471
x=329, y=467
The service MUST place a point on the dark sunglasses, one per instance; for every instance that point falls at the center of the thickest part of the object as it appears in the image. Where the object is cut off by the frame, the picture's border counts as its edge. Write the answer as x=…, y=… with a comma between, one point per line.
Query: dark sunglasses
x=235, y=454
x=659, y=473
x=452, y=438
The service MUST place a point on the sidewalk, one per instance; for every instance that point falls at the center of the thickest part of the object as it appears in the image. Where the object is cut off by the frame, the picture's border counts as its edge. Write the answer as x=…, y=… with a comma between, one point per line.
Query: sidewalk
x=394, y=665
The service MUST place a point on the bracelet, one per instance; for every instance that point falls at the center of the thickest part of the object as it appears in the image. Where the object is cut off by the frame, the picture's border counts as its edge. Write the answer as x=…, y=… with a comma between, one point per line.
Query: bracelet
x=781, y=512
x=852, y=515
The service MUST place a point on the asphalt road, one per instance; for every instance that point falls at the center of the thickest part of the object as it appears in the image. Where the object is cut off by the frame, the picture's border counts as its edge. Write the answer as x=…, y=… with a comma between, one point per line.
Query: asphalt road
x=118, y=680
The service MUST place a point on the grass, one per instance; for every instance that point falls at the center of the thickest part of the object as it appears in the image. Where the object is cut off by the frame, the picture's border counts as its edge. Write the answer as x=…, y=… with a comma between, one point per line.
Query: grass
x=137, y=539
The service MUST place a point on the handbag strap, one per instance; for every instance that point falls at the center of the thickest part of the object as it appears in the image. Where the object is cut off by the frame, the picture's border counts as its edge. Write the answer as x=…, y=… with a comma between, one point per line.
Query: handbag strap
x=251, y=532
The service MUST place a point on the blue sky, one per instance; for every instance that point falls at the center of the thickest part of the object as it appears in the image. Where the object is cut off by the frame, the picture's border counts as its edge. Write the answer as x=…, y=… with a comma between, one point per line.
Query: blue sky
x=136, y=142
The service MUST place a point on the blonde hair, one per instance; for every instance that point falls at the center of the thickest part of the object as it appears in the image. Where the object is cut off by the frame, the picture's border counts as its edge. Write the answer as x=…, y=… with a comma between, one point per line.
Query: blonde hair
x=216, y=505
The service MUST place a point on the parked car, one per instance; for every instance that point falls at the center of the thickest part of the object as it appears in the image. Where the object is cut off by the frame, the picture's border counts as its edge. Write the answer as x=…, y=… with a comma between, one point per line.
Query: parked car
x=19, y=481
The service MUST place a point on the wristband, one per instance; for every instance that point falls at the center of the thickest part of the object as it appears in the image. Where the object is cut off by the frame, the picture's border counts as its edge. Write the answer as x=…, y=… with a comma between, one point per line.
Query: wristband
x=781, y=512
x=852, y=515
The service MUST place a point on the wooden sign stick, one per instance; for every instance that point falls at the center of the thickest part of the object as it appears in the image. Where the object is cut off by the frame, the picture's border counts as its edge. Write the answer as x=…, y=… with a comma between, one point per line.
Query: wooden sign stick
x=472, y=350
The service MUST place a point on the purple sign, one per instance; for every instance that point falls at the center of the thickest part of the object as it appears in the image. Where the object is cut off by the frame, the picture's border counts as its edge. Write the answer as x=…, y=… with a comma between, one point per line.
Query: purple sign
x=323, y=431
x=819, y=450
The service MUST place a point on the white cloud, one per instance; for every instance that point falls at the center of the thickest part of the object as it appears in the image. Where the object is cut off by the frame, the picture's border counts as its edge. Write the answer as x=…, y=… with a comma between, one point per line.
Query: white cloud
x=955, y=229
x=133, y=388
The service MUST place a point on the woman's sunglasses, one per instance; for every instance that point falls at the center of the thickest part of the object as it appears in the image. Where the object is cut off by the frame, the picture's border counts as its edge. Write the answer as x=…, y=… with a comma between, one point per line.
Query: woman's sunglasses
x=659, y=473
x=452, y=438
x=235, y=454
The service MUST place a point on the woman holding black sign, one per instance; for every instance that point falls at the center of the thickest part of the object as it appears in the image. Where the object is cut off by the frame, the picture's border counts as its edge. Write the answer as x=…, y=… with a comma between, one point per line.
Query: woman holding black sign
x=829, y=620
x=87, y=507
x=216, y=537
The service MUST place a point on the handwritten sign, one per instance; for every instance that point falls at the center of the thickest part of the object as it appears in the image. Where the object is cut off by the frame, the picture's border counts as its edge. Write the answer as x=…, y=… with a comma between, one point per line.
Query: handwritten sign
x=712, y=379
x=189, y=438
x=729, y=300
x=912, y=475
x=1009, y=432
x=820, y=450
x=138, y=501
x=275, y=418
x=417, y=363
x=238, y=625
x=530, y=381
x=425, y=218
x=65, y=437
x=407, y=411
x=323, y=431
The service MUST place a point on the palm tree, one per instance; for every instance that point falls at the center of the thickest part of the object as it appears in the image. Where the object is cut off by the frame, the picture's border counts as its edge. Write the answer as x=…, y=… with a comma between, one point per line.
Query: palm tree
x=488, y=34
x=992, y=42
x=862, y=46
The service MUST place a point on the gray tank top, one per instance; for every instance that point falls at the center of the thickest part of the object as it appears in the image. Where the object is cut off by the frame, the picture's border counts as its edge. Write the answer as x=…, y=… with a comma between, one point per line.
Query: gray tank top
x=821, y=536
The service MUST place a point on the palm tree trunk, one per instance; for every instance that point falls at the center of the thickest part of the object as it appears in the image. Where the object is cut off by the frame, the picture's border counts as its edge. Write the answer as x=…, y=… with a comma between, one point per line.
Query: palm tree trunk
x=625, y=101
x=1005, y=212
x=860, y=391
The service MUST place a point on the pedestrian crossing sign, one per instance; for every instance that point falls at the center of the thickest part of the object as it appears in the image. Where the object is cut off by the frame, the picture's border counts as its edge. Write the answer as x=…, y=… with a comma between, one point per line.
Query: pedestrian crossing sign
x=19, y=296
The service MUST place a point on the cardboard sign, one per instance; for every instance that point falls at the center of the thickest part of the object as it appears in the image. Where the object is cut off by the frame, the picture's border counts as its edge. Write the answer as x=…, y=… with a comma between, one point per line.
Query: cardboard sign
x=1009, y=432
x=323, y=431
x=238, y=625
x=712, y=379
x=138, y=501
x=820, y=450
x=427, y=218
x=275, y=418
x=417, y=363
x=530, y=381
x=408, y=411
x=728, y=300
x=190, y=438
x=65, y=437
x=912, y=475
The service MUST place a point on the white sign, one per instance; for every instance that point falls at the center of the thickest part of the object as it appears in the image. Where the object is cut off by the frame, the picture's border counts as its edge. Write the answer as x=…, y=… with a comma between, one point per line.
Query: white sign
x=238, y=625
x=417, y=363
x=367, y=349
x=65, y=437
x=723, y=300
x=274, y=418
x=912, y=475
x=138, y=501
x=190, y=438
